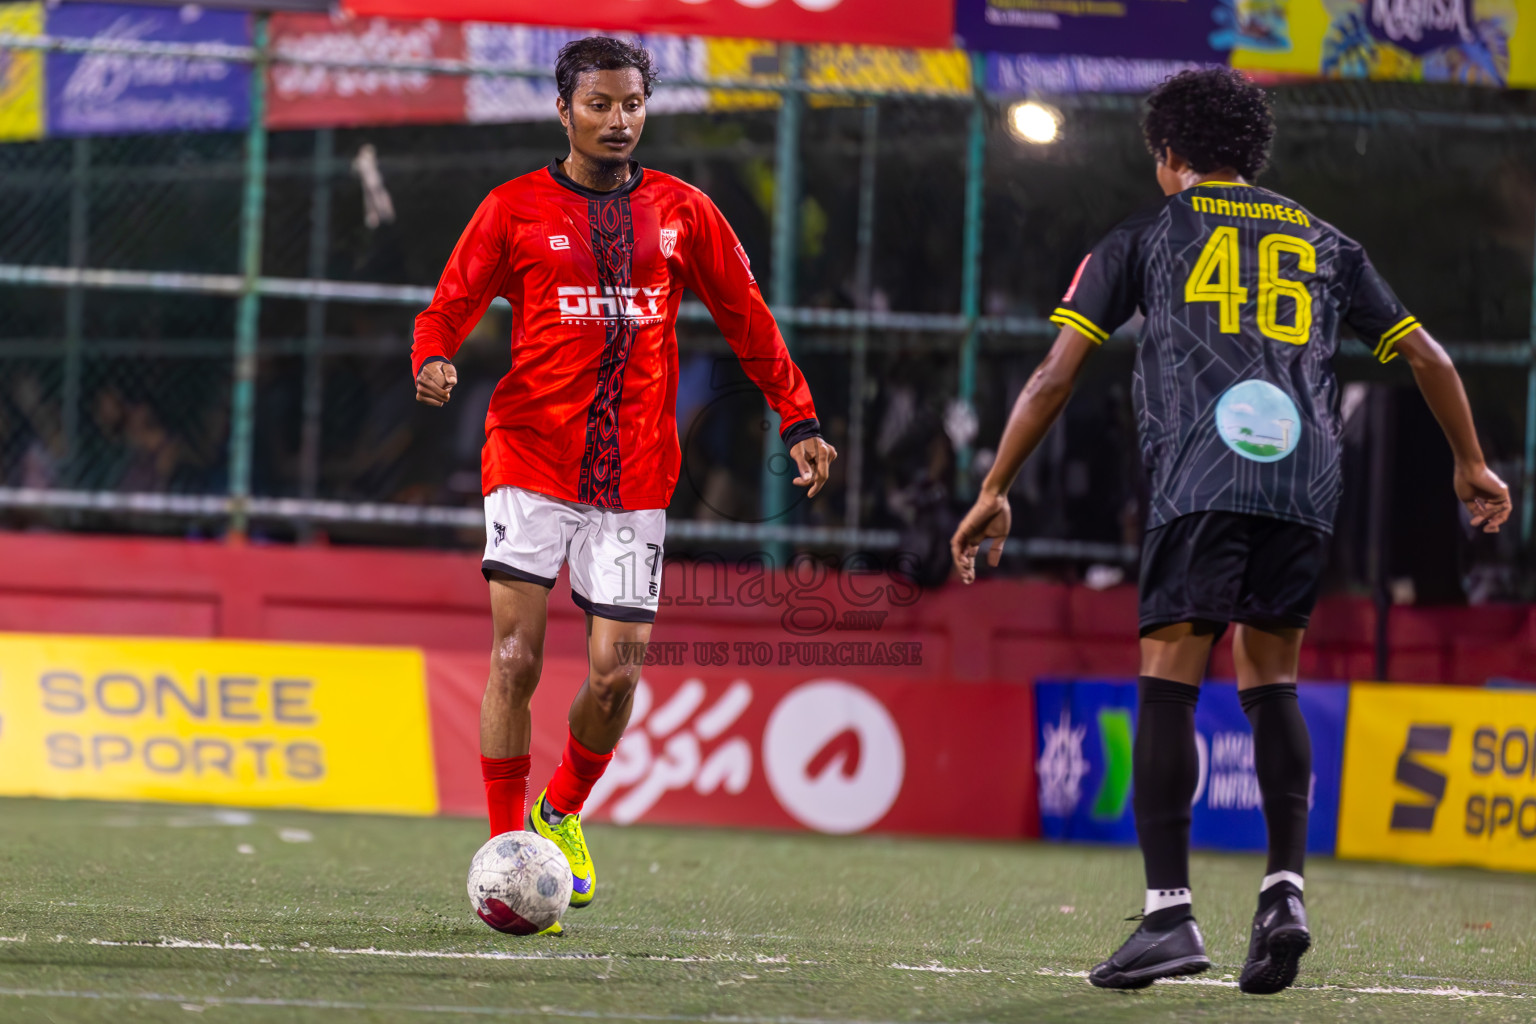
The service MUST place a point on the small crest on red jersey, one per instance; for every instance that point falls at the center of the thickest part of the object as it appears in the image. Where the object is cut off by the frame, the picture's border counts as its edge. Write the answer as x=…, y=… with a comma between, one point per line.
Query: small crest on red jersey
x=741, y=253
x=668, y=242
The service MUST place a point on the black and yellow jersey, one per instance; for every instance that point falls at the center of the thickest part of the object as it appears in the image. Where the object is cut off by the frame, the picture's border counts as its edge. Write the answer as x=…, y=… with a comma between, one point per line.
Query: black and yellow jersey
x=1243, y=292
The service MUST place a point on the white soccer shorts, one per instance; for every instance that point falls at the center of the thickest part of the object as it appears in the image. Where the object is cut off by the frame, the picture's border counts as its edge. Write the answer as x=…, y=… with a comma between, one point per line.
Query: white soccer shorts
x=615, y=557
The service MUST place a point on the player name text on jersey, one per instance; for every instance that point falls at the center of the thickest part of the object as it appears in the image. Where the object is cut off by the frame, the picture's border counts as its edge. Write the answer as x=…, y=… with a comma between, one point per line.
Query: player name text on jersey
x=1267, y=211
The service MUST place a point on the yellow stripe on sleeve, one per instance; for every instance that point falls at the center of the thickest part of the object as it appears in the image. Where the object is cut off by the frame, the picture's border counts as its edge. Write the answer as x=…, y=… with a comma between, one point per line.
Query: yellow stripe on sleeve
x=1393, y=335
x=1064, y=317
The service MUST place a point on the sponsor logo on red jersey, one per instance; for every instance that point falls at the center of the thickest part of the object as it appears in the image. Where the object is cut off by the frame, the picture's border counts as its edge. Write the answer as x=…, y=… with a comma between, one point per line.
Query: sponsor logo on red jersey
x=593, y=304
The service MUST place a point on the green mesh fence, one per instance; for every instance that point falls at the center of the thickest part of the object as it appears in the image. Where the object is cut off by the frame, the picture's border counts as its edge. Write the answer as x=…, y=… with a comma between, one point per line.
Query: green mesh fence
x=120, y=387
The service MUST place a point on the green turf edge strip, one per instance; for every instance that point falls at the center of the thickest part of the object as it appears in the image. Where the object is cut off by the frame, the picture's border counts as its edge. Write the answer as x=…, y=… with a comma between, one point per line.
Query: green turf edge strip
x=329, y=1004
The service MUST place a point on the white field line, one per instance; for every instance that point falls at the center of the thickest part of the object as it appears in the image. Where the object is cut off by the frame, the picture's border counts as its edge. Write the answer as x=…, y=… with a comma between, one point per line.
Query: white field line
x=1450, y=992
x=424, y=954
x=1442, y=991
x=194, y=1002
x=437, y=954
x=937, y=968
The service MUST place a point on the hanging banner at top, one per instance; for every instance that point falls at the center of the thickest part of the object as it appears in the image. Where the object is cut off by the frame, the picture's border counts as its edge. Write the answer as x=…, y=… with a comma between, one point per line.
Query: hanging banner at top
x=1466, y=42
x=1190, y=30
x=880, y=22
x=113, y=93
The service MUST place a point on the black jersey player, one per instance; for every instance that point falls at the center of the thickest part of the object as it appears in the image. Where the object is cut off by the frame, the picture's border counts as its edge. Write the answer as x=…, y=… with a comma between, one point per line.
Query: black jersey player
x=1243, y=293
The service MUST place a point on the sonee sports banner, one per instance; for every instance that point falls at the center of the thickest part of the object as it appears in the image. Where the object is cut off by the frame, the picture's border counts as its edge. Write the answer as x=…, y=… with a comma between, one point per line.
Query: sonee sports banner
x=215, y=722
x=1083, y=764
x=1440, y=775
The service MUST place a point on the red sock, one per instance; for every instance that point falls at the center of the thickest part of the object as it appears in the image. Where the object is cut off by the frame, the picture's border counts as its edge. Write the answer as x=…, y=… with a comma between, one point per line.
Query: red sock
x=575, y=775
x=506, y=791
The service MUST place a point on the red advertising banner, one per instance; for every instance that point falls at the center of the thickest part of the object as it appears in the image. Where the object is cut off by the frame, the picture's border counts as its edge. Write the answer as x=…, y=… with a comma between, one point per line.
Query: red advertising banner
x=307, y=96
x=837, y=750
x=916, y=23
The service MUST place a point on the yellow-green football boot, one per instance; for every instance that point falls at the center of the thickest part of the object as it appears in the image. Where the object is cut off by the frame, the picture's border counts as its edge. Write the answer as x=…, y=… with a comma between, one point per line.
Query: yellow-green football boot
x=568, y=837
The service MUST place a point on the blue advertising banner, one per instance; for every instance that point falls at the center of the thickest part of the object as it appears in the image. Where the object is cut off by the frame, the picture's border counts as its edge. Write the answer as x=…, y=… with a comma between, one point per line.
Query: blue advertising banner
x=1197, y=30
x=1084, y=765
x=1025, y=74
x=104, y=93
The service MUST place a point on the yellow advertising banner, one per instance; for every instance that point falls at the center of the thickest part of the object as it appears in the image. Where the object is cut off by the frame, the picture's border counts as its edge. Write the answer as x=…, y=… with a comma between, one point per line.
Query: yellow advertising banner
x=1468, y=42
x=216, y=721
x=21, y=75
x=1440, y=775
x=884, y=68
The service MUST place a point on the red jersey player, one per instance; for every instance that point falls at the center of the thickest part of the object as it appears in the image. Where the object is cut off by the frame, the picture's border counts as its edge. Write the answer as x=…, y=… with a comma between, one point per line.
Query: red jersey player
x=581, y=452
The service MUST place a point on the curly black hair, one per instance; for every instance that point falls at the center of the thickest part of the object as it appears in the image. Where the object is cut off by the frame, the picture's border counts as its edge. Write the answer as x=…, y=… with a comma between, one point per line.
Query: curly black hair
x=1213, y=118
x=601, y=53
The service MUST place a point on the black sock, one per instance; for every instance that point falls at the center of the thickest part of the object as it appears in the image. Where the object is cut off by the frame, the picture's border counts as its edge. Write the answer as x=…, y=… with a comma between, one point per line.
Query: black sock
x=1165, y=771
x=1282, y=760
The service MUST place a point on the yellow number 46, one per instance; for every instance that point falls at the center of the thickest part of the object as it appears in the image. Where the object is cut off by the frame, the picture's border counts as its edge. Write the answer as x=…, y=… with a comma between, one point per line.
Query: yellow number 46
x=1217, y=276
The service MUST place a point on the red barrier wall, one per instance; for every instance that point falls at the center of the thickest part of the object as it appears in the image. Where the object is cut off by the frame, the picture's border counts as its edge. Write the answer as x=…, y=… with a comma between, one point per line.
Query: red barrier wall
x=1005, y=630
x=842, y=750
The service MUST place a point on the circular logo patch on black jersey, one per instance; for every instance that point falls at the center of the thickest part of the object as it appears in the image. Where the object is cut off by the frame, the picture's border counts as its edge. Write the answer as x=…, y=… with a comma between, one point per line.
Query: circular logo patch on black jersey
x=1258, y=421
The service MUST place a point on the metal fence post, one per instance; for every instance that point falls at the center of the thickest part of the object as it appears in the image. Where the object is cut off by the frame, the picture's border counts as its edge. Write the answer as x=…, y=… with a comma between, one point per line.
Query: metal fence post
x=785, y=255
x=970, y=278
x=1528, y=464
x=858, y=370
x=314, y=333
x=242, y=411
x=74, y=306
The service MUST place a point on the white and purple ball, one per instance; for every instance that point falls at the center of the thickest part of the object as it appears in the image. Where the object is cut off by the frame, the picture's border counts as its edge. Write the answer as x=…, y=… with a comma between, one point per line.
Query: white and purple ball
x=519, y=883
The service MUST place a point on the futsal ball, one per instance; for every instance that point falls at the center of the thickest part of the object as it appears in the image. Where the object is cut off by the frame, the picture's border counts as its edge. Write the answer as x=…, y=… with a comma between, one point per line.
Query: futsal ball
x=519, y=883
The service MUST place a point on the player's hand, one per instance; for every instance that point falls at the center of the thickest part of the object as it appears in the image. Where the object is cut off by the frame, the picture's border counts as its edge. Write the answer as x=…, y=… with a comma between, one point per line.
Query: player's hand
x=1484, y=494
x=814, y=457
x=435, y=382
x=990, y=518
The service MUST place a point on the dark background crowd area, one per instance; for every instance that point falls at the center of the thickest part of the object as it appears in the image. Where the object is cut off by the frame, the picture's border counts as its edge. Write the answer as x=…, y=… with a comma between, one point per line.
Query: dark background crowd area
x=124, y=391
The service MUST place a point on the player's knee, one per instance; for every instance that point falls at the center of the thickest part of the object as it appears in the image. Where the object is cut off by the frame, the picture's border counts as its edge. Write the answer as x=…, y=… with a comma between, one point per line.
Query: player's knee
x=612, y=685
x=515, y=671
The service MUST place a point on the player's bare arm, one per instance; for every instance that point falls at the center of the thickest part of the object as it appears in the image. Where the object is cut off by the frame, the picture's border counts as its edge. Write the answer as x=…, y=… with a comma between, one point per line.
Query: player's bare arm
x=1478, y=487
x=435, y=382
x=1038, y=406
x=814, y=456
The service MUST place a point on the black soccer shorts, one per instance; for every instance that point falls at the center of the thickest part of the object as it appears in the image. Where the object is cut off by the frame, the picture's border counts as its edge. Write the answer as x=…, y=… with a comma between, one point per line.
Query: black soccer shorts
x=1214, y=568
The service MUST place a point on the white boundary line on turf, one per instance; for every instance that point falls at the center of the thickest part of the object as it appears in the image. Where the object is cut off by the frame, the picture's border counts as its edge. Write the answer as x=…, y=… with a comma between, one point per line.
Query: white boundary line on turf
x=426, y=954
x=1442, y=991
x=1452, y=992
x=441, y=954
x=476, y=1011
x=937, y=968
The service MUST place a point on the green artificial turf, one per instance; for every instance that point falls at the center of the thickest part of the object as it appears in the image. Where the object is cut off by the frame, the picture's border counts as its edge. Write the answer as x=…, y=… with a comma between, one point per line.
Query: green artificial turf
x=120, y=912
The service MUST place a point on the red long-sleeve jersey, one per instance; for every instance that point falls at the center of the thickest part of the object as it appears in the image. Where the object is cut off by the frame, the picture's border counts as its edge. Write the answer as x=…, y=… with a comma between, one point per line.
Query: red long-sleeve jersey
x=588, y=411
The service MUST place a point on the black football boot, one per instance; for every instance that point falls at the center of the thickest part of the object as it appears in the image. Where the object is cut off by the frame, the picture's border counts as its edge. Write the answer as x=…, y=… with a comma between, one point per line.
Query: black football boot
x=1279, y=939
x=1151, y=954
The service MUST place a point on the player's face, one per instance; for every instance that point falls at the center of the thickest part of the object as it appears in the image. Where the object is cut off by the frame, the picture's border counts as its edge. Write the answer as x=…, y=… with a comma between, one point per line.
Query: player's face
x=606, y=114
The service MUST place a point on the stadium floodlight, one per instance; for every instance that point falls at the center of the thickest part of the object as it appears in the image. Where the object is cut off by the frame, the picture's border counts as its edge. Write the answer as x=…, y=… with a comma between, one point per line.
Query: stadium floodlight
x=1034, y=122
